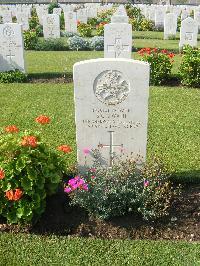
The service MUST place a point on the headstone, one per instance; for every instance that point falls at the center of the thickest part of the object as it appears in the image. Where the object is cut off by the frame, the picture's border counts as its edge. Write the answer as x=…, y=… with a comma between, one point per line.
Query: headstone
x=57, y=11
x=159, y=18
x=197, y=19
x=7, y=16
x=170, y=25
x=118, y=36
x=188, y=33
x=82, y=15
x=41, y=12
x=70, y=21
x=51, y=26
x=120, y=16
x=11, y=47
x=23, y=19
x=111, y=108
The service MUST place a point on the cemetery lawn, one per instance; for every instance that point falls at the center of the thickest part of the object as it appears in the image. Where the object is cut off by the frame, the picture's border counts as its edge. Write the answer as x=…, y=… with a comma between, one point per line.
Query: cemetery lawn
x=173, y=133
x=47, y=65
x=25, y=249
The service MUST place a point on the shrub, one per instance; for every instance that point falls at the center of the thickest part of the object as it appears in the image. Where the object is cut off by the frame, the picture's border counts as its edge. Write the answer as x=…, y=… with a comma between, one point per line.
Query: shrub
x=92, y=22
x=29, y=171
x=85, y=30
x=52, y=6
x=52, y=45
x=190, y=67
x=97, y=43
x=133, y=12
x=160, y=64
x=13, y=76
x=30, y=39
x=100, y=29
x=115, y=191
x=68, y=34
x=77, y=43
x=62, y=21
x=146, y=25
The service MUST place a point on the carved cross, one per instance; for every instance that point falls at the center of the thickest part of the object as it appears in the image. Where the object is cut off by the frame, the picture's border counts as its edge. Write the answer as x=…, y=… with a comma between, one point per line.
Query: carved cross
x=118, y=47
x=10, y=56
x=111, y=146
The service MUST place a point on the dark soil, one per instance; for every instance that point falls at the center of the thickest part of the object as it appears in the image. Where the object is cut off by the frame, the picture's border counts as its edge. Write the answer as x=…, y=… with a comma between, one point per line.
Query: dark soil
x=60, y=219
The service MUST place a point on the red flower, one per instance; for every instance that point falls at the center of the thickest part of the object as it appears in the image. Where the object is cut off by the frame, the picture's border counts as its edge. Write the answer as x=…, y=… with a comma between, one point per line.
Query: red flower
x=155, y=50
x=29, y=141
x=2, y=174
x=14, y=195
x=43, y=119
x=171, y=55
x=11, y=129
x=65, y=148
x=164, y=51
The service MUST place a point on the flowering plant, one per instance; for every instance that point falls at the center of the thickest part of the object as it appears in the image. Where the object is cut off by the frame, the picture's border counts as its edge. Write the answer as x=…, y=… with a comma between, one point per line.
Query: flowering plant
x=190, y=67
x=85, y=30
x=29, y=171
x=160, y=64
x=100, y=28
x=122, y=188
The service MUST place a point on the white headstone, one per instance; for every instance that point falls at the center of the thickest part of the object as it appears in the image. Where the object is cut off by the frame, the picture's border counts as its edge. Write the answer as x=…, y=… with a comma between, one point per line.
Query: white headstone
x=82, y=15
x=70, y=21
x=51, y=26
x=188, y=33
x=170, y=25
x=120, y=16
x=111, y=108
x=197, y=18
x=23, y=19
x=57, y=11
x=11, y=47
x=159, y=17
x=7, y=16
x=118, y=36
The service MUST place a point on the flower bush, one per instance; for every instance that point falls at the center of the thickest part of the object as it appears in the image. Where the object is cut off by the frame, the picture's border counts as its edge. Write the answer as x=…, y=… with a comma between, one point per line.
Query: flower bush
x=30, y=39
x=100, y=28
x=34, y=23
x=85, y=30
x=77, y=43
x=52, y=45
x=160, y=64
x=97, y=43
x=190, y=67
x=122, y=188
x=29, y=171
x=12, y=76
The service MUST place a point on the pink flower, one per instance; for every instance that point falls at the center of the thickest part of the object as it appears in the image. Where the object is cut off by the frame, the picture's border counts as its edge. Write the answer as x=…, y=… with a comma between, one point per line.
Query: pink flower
x=85, y=187
x=67, y=190
x=93, y=177
x=86, y=151
x=146, y=183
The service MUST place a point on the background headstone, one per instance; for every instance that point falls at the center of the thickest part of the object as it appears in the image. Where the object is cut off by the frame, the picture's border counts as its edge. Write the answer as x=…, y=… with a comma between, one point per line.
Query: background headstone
x=118, y=36
x=188, y=33
x=11, y=47
x=51, y=26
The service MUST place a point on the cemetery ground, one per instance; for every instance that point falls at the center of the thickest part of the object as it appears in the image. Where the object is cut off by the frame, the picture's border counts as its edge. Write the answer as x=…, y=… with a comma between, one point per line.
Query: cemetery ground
x=173, y=135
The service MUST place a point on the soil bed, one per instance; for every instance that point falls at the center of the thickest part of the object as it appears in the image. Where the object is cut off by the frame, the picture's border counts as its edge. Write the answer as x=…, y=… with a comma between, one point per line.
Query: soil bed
x=60, y=219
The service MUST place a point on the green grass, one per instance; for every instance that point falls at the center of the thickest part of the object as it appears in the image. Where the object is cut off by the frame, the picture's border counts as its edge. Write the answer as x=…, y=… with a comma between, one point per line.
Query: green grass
x=153, y=35
x=25, y=249
x=174, y=130
x=61, y=62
